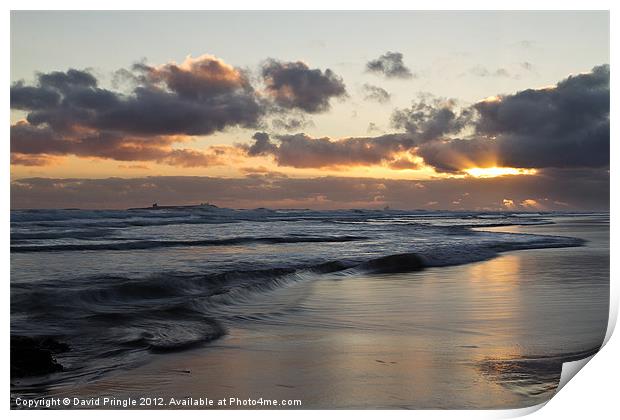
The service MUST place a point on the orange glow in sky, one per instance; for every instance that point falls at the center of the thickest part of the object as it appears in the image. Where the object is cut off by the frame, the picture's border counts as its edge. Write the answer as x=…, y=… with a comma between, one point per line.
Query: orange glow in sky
x=498, y=171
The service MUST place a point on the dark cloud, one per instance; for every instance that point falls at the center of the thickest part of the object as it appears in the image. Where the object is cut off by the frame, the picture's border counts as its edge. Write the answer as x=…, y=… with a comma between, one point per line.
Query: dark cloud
x=262, y=145
x=375, y=93
x=390, y=65
x=431, y=119
x=565, y=126
x=561, y=189
x=291, y=123
x=293, y=85
x=154, y=111
x=303, y=151
x=563, y=130
x=36, y=146
x=68, y=114
x=29, y=139
x=562, y=126
x=200, y=96
x=197, y=79
x=403, y=163
x=454, y=155
x=67, y=80
x=29, y=97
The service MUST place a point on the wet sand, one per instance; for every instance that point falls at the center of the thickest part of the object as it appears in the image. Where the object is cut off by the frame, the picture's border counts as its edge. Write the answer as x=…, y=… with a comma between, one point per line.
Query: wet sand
x=490, y=334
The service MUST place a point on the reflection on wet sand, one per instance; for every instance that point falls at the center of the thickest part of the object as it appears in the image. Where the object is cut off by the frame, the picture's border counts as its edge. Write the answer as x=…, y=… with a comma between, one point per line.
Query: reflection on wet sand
x=530, y=376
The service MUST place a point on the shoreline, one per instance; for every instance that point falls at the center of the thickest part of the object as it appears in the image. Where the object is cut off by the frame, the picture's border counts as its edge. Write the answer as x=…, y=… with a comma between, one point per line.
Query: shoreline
x=303, y=355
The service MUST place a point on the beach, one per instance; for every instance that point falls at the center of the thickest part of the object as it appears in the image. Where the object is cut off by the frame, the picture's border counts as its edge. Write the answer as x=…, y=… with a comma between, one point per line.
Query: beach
x=485, y=334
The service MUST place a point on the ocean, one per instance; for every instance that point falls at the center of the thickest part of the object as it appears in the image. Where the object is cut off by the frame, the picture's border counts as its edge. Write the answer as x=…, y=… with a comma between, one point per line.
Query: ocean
x=419, y=309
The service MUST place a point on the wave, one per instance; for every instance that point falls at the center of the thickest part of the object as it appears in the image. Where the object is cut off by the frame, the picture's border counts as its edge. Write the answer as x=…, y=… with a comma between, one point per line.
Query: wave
x=168, y=337
x=111, y=296
x=442, y=256
x=149, y=244
x=103, y=293
x=62, y=234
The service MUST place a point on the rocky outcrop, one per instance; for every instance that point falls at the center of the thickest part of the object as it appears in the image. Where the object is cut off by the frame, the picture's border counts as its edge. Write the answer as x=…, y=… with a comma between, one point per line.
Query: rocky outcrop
x=34, y=356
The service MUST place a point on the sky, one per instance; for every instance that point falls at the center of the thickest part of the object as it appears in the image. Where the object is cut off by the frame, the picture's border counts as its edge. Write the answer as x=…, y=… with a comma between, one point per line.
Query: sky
x=430, y=110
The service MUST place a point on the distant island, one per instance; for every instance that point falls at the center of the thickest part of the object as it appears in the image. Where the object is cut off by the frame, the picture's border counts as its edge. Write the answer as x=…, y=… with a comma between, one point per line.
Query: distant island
x=156, y=206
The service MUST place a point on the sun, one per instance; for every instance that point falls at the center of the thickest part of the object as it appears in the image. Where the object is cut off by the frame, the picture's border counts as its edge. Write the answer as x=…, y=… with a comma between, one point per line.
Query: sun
x=498, y=171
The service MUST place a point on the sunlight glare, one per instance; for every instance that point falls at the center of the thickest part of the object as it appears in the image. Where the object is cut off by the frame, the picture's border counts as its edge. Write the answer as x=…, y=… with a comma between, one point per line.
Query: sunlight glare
x=498, y=171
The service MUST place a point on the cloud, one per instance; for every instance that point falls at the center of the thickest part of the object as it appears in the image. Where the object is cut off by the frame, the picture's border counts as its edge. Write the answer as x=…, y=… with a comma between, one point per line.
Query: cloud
x=198, y=97
x=30, y=160
x=293, y=85
x=375, y=93
x=404, y=163
x=484, y=72
x=390, y=65
x=561, y=130
x=431, y=119
x=261, y=171
x=35, y=146
x=68, y=114
x=303, y=151
x=143, y=167
x=190, y=158
x=574, y=190
x=291, y=123
x=198, y=78
x=30, y=98
x=563, y=126
x=454, y=155
x=530, y=203
x=262, y=145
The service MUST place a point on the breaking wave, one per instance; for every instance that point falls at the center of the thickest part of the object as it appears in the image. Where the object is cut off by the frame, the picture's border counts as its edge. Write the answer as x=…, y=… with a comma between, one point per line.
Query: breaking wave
x=135, y=245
